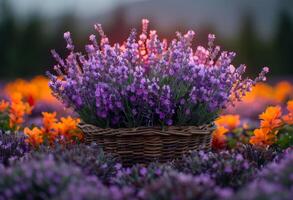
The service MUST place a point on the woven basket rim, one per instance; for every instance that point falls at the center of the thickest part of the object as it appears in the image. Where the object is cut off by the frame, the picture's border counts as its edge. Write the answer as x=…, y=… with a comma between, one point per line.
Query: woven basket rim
x=90, y=129
x=211, y=125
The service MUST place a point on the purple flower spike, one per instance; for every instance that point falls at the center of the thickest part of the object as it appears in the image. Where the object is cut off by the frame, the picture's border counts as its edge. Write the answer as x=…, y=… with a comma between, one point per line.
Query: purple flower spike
x=148, y=82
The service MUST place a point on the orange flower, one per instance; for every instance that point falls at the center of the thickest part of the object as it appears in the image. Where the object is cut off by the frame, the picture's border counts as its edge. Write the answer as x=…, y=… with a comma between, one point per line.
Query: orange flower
x=17, y=111
x=261, y=90
x=28, y=109
x=68, y=129
x=230, y=122
x=283, y=90
x=289, y=117
x=290, y=106
x=32, y=91
x=271, y=118
x=3, y=105
x=262, y=138
x=34, y=136
x=49, y=126
x=219, y=137
x=44, y=94
x=22, y=87
x=277, y=94
x=49, y=120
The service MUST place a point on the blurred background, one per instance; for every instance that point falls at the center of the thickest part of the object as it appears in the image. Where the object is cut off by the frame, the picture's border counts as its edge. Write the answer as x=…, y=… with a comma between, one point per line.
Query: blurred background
x=260, y=32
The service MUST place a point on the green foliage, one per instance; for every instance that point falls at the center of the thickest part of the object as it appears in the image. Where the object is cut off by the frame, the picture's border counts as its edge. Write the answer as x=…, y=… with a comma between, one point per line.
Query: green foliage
x=4, y=121
x=236, y=137
x=285, y=137
x=199, y=115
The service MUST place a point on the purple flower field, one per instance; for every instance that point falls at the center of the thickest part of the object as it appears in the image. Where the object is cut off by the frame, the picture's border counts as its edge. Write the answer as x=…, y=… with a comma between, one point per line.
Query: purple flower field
x=86, y=172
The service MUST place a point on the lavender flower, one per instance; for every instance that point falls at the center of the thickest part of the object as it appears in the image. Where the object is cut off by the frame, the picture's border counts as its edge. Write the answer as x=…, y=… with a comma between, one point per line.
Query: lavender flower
x=12, y=147
x=85, y=172
x=147, y=82
x=182, y=186
x=263, y=190
x=259, y=156
x=138, y=176
x=273, y=182
x=91, y=189
x=279, y=172
x=90, y=159
x=227, y=168
x=44, y=178
x=37, y=179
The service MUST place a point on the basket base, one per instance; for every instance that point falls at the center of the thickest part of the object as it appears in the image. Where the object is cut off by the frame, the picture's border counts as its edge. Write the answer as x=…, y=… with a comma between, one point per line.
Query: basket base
x=133, y=151
x=143, y=145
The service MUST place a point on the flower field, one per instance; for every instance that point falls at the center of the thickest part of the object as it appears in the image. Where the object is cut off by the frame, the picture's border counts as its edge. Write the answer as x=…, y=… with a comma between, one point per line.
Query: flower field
x=146, y=82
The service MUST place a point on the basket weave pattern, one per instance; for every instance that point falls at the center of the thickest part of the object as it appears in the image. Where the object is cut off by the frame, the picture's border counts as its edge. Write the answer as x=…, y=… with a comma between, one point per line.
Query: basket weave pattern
x=146, y=144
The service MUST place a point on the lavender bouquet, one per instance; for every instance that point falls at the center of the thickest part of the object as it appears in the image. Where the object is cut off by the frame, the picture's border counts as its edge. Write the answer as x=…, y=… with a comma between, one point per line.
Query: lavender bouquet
x=147, y=82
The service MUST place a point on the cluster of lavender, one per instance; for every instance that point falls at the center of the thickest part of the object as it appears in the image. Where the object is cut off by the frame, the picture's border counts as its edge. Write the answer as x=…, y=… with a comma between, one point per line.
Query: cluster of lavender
x=85, y=172
x=47, y=179
x=36, y=179
x=91, y=159
x=183, y=186
x=232, y=168
x=262, y=190
x=273, y=182
x=280, y=172
x=226, y=168
x=12, y=147
x=82, y=190
x=138, y=176
x=147, y=82
x=259, y=157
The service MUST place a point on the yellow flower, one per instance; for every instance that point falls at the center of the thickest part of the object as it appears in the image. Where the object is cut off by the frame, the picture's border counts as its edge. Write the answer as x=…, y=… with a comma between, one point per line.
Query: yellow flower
x=34, y=136
x=230, y=122
x=3, y=105
x=271, y=118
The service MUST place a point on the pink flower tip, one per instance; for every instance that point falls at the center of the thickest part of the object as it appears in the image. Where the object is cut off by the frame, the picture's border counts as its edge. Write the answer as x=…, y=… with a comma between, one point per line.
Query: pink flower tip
x=212, y=36
x=191, y=32
x=266, y=69
x=92, y=37
x=67, y=35
x=145, y=21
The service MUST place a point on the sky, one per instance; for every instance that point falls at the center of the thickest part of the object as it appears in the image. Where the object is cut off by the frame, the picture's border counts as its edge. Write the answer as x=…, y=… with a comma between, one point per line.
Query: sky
x=83, y=8
x=224, y=15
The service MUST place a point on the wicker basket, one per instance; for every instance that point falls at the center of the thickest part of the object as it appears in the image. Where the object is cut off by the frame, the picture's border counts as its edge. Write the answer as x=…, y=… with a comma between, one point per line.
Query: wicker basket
x=146, y=144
